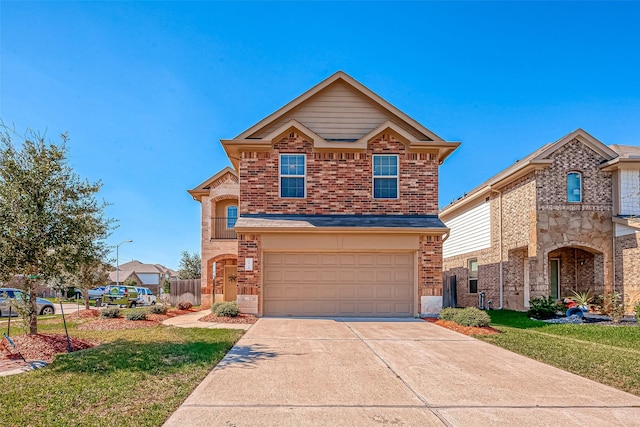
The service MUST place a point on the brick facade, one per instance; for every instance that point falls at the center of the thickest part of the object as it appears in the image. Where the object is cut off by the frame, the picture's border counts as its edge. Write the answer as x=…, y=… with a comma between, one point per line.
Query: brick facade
x=338, y=182
x=627, y=262
x=532, y=222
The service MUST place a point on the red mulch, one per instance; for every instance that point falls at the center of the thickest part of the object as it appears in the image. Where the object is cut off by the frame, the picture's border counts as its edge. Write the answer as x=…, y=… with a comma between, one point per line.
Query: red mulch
x=45, y=346
x=83, y=314
x=240, y=318
x=466, y=330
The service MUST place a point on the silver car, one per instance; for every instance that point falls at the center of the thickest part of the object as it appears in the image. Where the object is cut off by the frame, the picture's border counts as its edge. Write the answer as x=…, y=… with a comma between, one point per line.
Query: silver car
x=44, y=306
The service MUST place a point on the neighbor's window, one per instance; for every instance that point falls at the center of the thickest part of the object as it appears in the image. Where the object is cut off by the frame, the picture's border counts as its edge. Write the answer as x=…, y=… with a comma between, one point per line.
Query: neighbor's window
x=473, y=276
x=385, y=177
x=292, y=175
x=232, y=216
x=574, y=187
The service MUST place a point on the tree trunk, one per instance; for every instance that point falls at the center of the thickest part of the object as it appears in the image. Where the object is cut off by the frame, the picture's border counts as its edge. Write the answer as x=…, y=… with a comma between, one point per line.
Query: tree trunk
x=86, y=299
x=33, y=315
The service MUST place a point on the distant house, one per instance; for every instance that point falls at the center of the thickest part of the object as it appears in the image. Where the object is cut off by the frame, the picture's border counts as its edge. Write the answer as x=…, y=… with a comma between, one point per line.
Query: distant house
x=146, y=275
x=562, y=219
x=331, y=210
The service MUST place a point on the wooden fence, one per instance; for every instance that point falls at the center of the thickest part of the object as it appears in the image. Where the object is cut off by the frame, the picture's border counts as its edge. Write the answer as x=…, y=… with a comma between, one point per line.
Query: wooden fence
x=185, y=290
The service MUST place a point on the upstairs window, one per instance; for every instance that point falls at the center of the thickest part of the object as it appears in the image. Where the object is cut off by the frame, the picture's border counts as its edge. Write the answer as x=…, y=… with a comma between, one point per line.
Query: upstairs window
x=232, y=216
x=574, y=187
x=292, y=175
x=385, y=177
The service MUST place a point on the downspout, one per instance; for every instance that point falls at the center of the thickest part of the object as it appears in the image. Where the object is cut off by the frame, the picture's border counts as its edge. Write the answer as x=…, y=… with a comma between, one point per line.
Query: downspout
x=501, y=288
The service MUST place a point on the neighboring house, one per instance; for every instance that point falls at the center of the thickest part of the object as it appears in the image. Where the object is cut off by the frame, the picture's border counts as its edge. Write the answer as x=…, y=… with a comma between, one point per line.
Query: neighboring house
x=147, y=275
x=336, y=200
x=559, y=220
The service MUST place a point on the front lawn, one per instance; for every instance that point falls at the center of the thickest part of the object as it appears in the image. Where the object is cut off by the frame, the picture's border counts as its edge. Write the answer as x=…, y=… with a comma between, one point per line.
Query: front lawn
x=138, y=377
x=607, y=354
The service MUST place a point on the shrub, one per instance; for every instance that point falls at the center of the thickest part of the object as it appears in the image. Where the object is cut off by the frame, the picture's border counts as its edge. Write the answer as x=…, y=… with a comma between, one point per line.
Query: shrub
x=226, y=309
x=471, y=316
x=157, y=309
x=448, y=313
x=136, y=315
x=638, y=311
x=110, y=313
x=184, y=305
x=614, y=306
x=542, y=308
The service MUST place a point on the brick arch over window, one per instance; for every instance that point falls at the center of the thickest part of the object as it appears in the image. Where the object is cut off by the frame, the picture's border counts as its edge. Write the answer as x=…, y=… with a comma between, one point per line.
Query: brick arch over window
x=216, y=286
x=224, y=197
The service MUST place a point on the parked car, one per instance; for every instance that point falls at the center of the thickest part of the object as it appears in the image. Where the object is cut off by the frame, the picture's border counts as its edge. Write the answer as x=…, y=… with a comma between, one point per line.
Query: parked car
x=126, y=296
x=96, y=293
x=145, y=296
x=44, y=306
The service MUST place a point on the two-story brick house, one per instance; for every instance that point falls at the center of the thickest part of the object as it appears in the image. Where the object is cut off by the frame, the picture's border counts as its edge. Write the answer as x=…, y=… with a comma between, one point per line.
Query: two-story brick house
x=337, y=196
x=561, y=219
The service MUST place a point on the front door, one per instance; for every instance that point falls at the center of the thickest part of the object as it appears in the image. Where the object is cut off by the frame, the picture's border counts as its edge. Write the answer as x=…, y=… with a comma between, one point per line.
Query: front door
x=554, y=277
x=230, y=282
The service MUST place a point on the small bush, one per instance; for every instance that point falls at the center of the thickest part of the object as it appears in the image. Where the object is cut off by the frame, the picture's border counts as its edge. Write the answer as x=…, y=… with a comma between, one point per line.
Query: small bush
x=136, y=315
x=448, y=313
x=542, y=308
x=184, y=305
x=110, y=313
x=614, y=306
x=471, y=316
x=158, y=309
x=638, y=311
x=226, y=309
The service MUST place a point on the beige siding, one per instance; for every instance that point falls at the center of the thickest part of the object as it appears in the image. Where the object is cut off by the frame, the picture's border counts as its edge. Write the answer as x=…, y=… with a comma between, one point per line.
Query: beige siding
x=338, y=113
x=338, y=284
x=470, y=231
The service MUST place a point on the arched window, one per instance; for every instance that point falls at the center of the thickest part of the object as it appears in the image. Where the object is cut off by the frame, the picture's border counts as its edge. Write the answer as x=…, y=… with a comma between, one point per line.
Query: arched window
x=232, y=216
x=574, y=187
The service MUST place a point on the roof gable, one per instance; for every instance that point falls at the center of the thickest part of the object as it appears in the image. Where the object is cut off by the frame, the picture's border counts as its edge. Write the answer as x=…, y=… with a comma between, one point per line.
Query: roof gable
x=338, y=109
x=539, y=159
x=225, y=175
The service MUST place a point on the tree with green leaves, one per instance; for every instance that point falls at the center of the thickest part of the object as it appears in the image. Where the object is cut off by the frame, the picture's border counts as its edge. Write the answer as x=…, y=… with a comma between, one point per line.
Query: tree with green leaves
x=51, y=224
x=90, y=273
x=190, y=265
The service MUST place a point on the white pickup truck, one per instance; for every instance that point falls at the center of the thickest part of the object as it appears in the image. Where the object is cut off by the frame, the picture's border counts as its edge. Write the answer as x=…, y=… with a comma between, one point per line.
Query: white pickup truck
x=145, y=296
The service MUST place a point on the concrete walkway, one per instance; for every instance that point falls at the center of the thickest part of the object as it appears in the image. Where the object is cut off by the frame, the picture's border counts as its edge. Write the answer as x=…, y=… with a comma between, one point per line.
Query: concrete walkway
x=358, y=372
x=191, y=321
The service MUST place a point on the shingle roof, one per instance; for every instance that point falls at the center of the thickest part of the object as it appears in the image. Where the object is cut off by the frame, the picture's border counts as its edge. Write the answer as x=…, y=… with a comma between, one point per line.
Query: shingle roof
x=364, y=221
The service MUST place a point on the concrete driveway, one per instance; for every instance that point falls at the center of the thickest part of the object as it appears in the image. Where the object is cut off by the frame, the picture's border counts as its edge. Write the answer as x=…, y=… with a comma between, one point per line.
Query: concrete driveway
x=359, y=372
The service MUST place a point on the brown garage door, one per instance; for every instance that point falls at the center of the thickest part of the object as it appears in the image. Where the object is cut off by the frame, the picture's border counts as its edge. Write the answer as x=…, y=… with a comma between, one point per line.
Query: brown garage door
x=338, y=284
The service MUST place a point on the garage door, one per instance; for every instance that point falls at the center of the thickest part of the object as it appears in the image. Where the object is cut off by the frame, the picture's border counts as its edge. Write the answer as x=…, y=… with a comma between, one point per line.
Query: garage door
x=338, y=284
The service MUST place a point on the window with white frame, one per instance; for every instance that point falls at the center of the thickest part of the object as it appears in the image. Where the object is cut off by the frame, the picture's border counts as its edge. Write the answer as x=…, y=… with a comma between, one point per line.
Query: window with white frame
x=232, y=216
x=385, y=176
x=292, y=175
x=473, y=275
x=574, y=187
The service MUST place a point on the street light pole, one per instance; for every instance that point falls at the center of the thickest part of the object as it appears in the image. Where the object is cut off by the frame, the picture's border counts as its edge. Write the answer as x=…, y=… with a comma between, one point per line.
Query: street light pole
x=117, y=261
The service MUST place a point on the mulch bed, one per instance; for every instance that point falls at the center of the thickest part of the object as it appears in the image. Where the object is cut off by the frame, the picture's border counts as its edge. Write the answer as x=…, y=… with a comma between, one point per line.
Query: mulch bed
x=466, y=330
x=240, y=318
x=45, y=346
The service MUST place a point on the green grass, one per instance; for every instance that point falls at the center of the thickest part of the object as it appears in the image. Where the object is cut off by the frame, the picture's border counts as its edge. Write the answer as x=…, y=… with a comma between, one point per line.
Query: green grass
x=138, y=377
x=607, y=354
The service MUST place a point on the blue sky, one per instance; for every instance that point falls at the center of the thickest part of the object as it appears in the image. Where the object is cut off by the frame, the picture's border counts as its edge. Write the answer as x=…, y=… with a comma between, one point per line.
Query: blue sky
x=147, y=89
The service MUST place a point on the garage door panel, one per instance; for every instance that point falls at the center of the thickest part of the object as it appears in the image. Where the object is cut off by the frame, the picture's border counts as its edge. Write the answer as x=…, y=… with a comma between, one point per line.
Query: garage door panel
x=339, y=284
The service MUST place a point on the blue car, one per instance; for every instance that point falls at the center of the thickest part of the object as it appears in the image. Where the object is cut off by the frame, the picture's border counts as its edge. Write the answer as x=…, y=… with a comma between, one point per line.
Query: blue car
x=44, y=306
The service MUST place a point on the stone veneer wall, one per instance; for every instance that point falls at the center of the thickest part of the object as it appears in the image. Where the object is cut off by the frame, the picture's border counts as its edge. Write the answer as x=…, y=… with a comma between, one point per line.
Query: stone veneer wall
x=586, y=225
x=339, y=182
x=627, y=268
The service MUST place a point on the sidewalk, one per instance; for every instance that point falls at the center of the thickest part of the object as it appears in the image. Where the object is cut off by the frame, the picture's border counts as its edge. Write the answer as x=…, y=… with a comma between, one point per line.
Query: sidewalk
x=191, y=321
